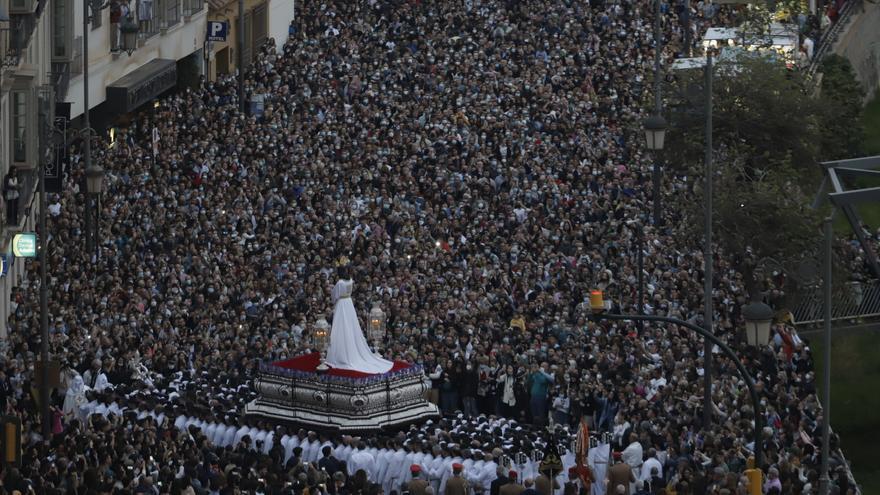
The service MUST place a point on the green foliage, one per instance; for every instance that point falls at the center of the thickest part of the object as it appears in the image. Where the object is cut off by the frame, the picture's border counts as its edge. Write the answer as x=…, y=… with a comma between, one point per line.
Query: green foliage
x=855, y=378
x=762, y=117
x=764, y=216
x=767, y=131
x=871, y=124
x=842, y=128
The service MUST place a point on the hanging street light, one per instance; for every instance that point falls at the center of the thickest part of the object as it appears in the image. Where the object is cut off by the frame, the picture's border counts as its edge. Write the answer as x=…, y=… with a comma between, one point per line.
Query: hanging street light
x=758, y=318
x=129, y=30
x=655, y=132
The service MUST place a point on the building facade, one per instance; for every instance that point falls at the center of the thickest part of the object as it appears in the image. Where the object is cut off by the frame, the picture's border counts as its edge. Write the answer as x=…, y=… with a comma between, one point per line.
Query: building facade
x=26, y=104
x=263, y=19
x=167, y=30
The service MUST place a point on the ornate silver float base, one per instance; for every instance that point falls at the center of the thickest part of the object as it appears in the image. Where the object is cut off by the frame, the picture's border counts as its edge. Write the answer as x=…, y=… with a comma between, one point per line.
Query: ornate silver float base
x=343, y=405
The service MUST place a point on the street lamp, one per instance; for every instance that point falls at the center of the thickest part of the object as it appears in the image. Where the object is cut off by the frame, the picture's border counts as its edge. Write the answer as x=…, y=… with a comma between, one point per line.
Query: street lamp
x=758, y=318
x=94, y=187
x=655, y=136
x=320, y=339
x=95, y=179
x=377, y=325
x=129, y=30
x=655, y=132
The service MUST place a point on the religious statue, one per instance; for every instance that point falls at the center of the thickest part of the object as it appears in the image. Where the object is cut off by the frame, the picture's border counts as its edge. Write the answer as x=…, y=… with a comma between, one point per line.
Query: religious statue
x=348, y=347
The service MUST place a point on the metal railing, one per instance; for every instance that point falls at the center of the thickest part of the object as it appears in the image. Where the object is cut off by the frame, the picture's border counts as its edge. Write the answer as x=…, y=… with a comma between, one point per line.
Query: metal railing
x=860, y=300
x=829, y=37
x=170, y=13
x=190, y=7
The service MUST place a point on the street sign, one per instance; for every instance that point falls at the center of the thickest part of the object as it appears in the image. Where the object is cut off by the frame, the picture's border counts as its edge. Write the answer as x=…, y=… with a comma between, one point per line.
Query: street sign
x=24, y=245
x=217, y=30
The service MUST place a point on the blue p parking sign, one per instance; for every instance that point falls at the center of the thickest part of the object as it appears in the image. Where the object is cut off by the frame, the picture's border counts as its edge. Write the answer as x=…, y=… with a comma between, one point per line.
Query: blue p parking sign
x=217, y=30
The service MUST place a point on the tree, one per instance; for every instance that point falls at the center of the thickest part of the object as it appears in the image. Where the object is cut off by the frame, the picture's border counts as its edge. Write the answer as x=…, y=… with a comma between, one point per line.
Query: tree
x=767, y=136
x=763, y=117
x=842, y=128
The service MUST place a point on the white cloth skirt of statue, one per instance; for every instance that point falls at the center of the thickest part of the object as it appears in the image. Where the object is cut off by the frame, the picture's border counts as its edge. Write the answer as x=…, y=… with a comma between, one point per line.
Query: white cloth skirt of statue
x=348, y=347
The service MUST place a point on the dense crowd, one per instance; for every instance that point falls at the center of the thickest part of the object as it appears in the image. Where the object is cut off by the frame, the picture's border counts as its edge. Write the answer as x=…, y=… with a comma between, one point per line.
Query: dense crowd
x=481, y=164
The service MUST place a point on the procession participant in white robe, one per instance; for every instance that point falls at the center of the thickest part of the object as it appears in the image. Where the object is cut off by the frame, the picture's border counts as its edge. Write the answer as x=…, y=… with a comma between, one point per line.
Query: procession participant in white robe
x=414, y=456
x=291, y=444
x=435, y=469
x=269, y=442
x=489, y=470
x=180, y=422
x=339, y=450
x=417, y=458
x=476, y=474
x=309, y=445
x=209, y=431
x=392, y=475
x=633, y=455
x=362, y=459
x=325, y=443
x=75, y=397
x=447, y=470
x=101, y=409
x=348, y=347
x=258, y=435
x=158, y=414
x=650, y=463
x=285, y=441
x=597, y=459
x=374, y=451
x=347, y=450
x=229, y=435
x=88, y=409
x=383, y=461
x=239, y=434
x=101, y=382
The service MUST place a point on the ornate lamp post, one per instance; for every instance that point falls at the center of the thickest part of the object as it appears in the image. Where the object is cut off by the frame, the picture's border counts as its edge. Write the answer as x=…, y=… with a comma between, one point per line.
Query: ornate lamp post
x=94, y=188
x=758, y=318
x=377, y=326
x=320, y=340
x=655, y=137
x=129, y=30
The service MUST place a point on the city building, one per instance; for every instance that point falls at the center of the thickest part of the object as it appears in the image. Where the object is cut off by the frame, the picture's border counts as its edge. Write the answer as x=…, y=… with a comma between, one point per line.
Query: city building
x=26, y=98
x=263, y=19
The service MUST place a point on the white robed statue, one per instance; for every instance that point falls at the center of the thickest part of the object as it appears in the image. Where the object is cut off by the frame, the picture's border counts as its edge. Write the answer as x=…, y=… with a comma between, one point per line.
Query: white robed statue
x=348, y=346
x=75, y=397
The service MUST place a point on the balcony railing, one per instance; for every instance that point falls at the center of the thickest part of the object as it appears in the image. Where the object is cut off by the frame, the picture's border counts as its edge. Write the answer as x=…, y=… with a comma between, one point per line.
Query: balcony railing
x=16, y=33
x=171, y=13
x=191, y=7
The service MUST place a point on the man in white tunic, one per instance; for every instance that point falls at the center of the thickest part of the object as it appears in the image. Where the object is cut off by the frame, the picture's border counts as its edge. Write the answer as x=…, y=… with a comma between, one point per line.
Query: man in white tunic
x=229, y=435
x=633, y=455
x=650, y=463
x=362, y=459
x=392, y=475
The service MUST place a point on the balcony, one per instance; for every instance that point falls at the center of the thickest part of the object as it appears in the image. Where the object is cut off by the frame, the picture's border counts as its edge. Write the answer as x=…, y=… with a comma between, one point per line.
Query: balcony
x=17, y=29
x=191, y=8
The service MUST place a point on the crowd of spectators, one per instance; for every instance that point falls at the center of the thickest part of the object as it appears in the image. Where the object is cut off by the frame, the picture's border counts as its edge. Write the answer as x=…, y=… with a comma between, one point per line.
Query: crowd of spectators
x=481, y=163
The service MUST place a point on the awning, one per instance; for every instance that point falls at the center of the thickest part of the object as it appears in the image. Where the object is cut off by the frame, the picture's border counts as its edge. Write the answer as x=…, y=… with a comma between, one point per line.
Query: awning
x=142, y=85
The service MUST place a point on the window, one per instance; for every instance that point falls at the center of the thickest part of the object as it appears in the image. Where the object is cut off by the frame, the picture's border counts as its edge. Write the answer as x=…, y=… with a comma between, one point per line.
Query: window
x=19, y=126
x=170, y=12
x=248, y=48
x=259, y=32
x=61, y=33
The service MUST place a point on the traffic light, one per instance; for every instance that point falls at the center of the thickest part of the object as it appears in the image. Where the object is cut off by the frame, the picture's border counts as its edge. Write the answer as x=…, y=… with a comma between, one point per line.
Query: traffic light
x=11, y=441
x=755, y=477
